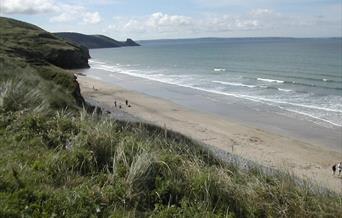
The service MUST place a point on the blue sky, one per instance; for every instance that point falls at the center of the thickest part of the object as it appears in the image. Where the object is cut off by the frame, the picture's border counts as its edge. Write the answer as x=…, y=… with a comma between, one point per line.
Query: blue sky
x=155, y=19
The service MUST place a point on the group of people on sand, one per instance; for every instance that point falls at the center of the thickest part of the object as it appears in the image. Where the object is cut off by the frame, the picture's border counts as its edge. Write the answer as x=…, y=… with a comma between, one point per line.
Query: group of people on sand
x=126, y=101
x=115, y=103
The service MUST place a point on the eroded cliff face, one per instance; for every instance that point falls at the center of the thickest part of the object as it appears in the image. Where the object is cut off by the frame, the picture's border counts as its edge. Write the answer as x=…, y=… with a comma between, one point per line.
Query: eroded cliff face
x=68, y=58
x=23, y=45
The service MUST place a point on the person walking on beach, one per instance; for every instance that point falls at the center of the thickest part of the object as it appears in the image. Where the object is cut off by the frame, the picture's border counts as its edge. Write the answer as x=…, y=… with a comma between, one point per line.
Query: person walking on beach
x=126, y=102
x=115, y=103
x=337, y=167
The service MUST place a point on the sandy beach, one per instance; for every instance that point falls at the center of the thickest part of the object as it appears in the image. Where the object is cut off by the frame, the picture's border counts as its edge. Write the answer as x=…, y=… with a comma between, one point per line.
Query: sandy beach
x=306, y=160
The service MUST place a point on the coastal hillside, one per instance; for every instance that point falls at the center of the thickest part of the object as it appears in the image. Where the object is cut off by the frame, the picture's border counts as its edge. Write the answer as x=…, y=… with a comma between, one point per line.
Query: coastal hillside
x=61, y=159
x=95, y=41
x=29, y=51
x=29, y=42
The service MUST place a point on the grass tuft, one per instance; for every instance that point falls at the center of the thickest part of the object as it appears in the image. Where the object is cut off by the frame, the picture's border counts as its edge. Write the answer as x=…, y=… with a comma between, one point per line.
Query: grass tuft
x=16, y=96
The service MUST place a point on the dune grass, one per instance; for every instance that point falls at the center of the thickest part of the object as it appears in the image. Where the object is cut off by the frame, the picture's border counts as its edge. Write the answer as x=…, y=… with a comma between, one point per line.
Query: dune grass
x=56, y=86
x=59, y=160
x=71, y=163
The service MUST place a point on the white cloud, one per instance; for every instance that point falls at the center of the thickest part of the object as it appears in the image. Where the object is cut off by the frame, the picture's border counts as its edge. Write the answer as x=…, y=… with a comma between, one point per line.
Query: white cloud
x=104, y=2
x=243, y=5
x=156, y=22
x=27, y=6
x=71, y=13
x=262, y=12
x=257, y=22
x=60, y=12
x=159, y=20
x=67, y=13
x=92, y=18
x=247, y=24
x=227, y=23
x=164, y=23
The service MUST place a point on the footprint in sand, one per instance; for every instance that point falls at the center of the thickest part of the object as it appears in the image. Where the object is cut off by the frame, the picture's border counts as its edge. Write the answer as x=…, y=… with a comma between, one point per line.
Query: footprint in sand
x=254, y=139
x=250, y=139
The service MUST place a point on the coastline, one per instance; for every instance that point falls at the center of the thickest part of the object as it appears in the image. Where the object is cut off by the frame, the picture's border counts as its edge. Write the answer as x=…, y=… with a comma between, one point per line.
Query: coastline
x=64, y=156
x=271, y=118
x=305, y=160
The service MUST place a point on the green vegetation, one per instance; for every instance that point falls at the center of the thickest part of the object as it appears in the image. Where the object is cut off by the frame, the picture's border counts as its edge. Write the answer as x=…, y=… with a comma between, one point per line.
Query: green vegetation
x=58, y=160
x=32, y=55
x=71, y=163
x=27, y=42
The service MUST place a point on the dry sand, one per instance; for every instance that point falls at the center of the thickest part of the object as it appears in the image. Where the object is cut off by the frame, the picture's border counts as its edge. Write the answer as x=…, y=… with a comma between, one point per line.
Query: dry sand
x=303, y=159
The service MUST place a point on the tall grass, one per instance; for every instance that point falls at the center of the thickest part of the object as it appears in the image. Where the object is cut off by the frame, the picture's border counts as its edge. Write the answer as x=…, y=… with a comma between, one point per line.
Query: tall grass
x=54, y=85
x=66, y=163
x=16, y=96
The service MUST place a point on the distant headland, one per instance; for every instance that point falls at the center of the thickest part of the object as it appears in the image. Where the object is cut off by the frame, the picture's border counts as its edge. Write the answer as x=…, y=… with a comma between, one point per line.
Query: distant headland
x=95, y=41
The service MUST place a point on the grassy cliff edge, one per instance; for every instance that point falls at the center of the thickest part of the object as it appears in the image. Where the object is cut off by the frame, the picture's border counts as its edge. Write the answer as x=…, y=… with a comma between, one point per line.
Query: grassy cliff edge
x=58, y=160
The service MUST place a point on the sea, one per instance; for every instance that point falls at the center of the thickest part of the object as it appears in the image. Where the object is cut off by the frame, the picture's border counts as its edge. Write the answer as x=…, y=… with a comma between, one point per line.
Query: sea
x=302, y=76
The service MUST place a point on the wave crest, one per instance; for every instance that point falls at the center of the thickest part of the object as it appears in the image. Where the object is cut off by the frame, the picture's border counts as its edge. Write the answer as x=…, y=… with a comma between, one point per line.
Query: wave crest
x=219, y=69
x=270, y=80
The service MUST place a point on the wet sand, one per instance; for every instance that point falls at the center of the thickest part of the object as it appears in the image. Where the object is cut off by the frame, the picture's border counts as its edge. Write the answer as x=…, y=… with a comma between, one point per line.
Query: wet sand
x=259, y=115
x=304, y=159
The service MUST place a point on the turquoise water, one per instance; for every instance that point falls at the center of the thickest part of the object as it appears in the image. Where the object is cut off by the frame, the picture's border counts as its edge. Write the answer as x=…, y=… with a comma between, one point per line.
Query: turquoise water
x=301, y=76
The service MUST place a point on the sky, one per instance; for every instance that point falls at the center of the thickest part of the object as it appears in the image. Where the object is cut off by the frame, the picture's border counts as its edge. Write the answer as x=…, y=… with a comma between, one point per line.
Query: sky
x=160, y=19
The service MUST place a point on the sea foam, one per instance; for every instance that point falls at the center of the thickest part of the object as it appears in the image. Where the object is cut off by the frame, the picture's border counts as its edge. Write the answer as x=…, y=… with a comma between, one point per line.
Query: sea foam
x=219, y=69
x=185, y=81
x=233, y=84
x=270, y=80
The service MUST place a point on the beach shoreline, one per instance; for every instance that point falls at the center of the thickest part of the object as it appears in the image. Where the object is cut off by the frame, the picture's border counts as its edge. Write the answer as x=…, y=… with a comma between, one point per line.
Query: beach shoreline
x=271, y=118
x=305, y=160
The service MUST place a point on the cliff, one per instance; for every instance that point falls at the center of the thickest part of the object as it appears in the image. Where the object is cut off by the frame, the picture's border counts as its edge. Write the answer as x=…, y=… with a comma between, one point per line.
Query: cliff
x=130, y=42
x=27, y=50
x=94, y=41
x=20, y=39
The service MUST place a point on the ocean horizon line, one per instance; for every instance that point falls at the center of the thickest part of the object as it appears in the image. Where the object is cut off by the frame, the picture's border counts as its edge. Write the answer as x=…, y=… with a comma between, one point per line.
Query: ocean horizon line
x=237, y=38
